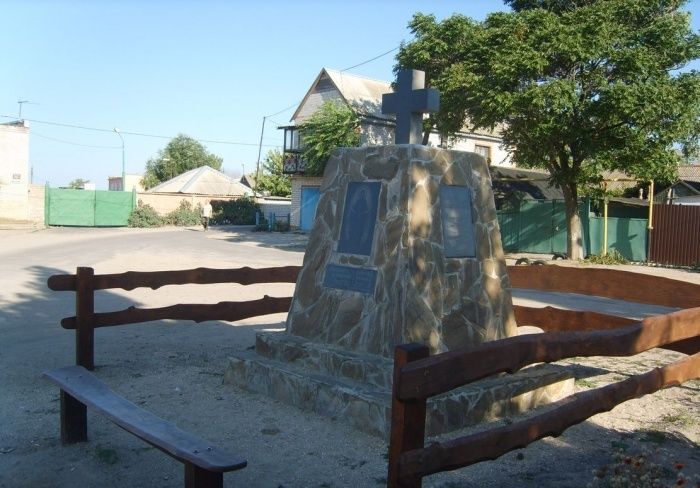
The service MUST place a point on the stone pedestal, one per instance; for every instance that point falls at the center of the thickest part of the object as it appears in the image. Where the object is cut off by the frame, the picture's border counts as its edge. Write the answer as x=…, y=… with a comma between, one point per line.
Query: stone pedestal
x=356, y=388
x=427, y=288
x=405, y=248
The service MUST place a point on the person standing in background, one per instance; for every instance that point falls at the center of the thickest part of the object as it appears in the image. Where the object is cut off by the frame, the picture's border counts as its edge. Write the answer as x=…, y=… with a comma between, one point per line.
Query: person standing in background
x=206, y=214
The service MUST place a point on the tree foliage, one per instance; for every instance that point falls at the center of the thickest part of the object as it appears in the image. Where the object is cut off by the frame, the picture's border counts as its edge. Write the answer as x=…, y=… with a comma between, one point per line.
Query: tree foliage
x=576, y=86
x=272, y=179
x=180, y=155
x=78, y=183
x=333, y=125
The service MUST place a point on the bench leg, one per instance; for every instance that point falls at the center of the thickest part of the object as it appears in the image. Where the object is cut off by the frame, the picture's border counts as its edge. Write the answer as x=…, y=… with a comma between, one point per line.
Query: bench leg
x=196, y=477
x=73, y=420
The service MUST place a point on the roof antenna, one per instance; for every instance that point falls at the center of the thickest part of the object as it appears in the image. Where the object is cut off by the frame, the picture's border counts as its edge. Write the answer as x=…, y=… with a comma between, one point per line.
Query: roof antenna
x=21, y=102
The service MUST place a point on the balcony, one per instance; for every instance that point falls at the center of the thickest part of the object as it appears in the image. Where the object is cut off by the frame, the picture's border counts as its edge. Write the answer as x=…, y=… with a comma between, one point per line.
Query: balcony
x=292, y=162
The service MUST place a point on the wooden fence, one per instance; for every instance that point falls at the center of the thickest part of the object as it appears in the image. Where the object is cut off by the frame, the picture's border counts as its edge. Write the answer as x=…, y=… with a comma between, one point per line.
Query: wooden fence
x=85, y=283
x=418, y=377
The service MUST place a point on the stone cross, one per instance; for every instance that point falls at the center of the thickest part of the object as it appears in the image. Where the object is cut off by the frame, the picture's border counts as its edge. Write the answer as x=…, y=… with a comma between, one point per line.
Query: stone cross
x=410, y=100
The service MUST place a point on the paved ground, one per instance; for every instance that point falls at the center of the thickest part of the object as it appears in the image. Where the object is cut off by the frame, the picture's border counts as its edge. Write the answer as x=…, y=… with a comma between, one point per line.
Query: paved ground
x=175, y=370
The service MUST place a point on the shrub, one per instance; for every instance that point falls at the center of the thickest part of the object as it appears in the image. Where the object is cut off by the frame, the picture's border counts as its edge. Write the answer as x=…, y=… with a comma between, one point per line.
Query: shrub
x=144, y=216
x=236, y=212
x=185, y=215
x=613, y=257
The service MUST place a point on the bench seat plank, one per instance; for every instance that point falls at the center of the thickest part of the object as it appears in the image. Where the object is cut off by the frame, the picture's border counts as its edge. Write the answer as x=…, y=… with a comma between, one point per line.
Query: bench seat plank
x=87, y=388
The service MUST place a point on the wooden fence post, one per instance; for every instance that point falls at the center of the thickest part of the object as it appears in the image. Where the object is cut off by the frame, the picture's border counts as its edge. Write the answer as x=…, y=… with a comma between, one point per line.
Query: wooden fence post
x=407, y=418
x=74, y=412
x=84, y=310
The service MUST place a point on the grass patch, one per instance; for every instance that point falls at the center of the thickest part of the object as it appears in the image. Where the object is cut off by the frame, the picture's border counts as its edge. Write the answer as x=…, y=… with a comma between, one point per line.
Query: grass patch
x=613, y=257
x=679, y=419
x=585, y=383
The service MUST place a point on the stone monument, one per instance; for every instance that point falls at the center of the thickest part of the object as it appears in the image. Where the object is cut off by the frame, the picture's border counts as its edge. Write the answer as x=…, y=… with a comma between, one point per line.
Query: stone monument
x=405, y=248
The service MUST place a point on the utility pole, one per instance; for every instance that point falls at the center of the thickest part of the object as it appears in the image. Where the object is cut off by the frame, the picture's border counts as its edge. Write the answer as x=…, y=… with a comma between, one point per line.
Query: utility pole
x=257, y=168
x=123, y=170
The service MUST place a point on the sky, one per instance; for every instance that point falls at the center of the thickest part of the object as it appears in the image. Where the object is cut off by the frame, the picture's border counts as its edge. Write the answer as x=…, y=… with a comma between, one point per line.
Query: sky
x=208, y=69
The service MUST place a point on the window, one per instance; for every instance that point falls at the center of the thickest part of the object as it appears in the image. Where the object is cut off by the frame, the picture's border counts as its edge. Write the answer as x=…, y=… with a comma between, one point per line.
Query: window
x=484, y=151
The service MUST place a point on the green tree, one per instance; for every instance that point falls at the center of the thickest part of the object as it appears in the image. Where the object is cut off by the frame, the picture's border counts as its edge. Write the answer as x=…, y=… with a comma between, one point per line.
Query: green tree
x=272, y=179
x=576, y=86
x=78, y=183
x=333, y=125
x=180, y=155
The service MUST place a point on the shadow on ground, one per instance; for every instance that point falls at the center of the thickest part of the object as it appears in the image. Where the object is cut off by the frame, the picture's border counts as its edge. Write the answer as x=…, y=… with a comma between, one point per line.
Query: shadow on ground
x=285, y=241
x=175, y=370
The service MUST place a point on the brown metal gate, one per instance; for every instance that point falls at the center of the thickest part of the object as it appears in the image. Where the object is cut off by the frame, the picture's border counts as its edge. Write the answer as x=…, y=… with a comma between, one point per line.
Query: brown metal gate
x=675, y=238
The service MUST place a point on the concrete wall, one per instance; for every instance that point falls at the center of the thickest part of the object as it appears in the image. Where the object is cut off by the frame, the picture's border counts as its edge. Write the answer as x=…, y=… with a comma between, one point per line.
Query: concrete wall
x=279, y=208
x=14, y=172
x=37, y=202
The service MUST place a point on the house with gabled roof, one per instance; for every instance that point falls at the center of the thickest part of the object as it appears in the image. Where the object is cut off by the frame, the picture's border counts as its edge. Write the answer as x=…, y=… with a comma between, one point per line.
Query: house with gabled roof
x=203, y=181
x=686, y=190
x=194, y=186
x=364, y=95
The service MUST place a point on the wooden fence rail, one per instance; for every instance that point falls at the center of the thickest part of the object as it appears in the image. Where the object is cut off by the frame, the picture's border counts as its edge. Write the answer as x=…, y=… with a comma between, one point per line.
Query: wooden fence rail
x=204, y=464
x=85, y=283
x=418, y=377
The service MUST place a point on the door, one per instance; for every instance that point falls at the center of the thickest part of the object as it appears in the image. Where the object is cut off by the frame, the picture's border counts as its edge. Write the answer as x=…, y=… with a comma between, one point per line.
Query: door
x=309, y=202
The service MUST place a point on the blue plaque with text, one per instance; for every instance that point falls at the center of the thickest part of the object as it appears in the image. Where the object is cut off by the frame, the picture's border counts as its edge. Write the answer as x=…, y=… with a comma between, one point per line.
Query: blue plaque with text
x=362, y=280
x=457, y=224
x=359, y=218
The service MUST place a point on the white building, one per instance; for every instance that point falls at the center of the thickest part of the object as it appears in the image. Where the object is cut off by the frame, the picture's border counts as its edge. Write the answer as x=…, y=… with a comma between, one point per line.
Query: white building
x=14, y=171
x=364, y=95
x=133, y=182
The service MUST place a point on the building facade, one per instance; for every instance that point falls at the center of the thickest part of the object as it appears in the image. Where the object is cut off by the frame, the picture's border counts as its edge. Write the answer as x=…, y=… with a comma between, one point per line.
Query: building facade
x=364, y=95
x=14, y=171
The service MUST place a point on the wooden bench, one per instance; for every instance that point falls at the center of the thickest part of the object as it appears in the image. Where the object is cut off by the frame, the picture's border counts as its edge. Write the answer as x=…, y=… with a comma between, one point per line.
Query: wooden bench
x=204, y=464
x=418, y=377
x=79, y=388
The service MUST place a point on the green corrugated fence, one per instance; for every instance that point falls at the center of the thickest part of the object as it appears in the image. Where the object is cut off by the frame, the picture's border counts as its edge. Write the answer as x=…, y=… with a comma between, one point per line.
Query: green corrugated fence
x=540, y=227
x=88, y=208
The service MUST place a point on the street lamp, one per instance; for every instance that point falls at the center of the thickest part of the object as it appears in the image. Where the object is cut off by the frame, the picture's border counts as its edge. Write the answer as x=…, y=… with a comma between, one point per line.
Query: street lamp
x=123, y=171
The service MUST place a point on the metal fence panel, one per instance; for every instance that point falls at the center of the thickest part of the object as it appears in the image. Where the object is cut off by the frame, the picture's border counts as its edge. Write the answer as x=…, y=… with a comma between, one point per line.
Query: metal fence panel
x=509, y=223
x=71, y=207
x=626, y=236
x=536, y=226
x=540, y=227
x=88, y=208
x=112, y=208
x=675, y=238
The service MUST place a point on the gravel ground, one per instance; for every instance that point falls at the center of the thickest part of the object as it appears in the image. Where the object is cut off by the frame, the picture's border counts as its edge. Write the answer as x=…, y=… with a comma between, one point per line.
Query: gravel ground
x=175, y=370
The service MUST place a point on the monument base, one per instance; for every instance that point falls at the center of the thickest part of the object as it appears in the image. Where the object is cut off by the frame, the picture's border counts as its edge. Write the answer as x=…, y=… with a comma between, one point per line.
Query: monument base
x=357, y=387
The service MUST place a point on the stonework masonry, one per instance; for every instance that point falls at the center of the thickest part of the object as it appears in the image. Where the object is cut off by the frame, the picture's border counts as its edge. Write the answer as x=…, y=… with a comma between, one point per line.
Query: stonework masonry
x=421, y=295
x=335, y=358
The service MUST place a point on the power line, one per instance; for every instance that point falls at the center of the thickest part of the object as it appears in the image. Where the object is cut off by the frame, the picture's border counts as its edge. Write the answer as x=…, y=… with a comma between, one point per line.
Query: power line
x=73, y=143
x=139, y=134
x=370, y=60
x=346, y=69
x=284, y=109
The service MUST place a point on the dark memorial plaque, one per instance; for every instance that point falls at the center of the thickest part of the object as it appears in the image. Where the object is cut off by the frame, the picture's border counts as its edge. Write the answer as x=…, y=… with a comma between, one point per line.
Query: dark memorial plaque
x=359, y=218
x=362, y=280
x=457, y=224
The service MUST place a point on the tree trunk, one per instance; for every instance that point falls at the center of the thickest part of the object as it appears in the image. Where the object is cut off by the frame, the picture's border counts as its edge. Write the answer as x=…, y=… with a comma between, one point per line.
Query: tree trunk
x=574, y=231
